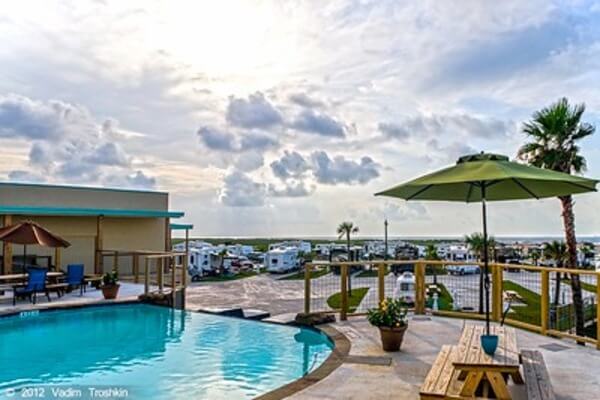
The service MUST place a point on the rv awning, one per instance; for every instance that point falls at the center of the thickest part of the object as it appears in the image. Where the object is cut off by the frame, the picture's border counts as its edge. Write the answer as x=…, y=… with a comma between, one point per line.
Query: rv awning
x=87, y=212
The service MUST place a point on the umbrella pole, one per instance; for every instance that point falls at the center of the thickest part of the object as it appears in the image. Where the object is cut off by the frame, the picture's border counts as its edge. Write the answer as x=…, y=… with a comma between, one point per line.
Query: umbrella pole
x=485, y=261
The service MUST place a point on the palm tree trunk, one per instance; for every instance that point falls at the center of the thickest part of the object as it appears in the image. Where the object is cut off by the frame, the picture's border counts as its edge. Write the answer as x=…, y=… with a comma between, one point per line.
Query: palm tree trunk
x=349, y=267
x=571, y=241
x=557, y=291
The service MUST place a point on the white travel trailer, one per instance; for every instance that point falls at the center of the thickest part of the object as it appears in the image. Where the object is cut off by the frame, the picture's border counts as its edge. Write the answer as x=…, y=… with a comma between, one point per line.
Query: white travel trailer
x=202, y=261
x=282, y=259
x=301, y=245
x=405, y=288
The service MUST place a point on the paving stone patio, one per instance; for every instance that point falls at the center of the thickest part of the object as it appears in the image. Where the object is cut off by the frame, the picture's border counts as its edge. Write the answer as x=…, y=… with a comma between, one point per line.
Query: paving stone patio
x=574, y=370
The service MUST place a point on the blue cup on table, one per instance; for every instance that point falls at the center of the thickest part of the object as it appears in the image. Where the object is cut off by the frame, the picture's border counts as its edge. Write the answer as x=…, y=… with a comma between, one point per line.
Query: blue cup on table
x=489, y=344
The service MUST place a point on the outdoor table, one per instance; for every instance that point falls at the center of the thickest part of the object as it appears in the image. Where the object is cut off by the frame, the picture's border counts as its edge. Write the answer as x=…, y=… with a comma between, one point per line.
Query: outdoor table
x=23, y=277
x=480, y=370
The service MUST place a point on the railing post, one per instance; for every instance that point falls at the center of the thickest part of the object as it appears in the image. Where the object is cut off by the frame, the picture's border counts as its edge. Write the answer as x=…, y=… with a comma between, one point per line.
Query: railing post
x=344, y=291
x=307, y=271
x=381, y=282
x=497, y=301
x=545, y=301
x=160, y=267
x=116, y=262
x=420, y=288
x=146, y=275
x=598, y=311
x=173, y=280
x=136, y=268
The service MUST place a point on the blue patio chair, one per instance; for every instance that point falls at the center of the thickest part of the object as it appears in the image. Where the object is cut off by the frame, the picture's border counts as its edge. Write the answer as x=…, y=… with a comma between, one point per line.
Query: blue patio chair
x=36, y=283
x=75, y=278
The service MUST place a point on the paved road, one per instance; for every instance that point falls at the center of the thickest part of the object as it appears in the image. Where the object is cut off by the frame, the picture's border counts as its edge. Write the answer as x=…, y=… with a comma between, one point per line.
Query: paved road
x=262, y=292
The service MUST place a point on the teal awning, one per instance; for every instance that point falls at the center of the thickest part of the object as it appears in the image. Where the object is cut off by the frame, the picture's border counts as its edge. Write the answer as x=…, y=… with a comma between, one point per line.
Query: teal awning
x=181, y=227
x=87, y=212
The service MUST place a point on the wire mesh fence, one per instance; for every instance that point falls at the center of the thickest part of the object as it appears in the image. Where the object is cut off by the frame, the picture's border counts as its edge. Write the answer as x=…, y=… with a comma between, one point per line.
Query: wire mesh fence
x=536, y=298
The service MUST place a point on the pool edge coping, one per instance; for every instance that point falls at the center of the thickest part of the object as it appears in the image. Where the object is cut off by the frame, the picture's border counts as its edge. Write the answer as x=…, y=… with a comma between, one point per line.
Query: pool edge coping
x=48, y=307
x=337, y=357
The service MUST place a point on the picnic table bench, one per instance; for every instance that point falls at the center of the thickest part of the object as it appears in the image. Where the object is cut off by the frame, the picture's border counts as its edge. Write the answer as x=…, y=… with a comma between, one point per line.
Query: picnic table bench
x=442, y=380
x=537, y=378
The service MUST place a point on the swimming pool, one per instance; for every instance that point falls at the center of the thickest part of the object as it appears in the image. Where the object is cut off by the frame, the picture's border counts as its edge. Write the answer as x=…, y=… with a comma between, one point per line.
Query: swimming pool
x=151, y=353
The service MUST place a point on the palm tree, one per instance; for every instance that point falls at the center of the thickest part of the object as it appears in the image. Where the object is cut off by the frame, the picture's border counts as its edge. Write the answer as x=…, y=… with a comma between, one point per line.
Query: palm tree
x=222, y=255
x=557, y=252
x=431, y=254
x=555, y=132
x=346, y=229
x=535, y=255
x=475, y=242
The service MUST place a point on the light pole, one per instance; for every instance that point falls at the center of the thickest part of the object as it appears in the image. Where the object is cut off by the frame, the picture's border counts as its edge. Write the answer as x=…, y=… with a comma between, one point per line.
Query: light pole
x=385, y=255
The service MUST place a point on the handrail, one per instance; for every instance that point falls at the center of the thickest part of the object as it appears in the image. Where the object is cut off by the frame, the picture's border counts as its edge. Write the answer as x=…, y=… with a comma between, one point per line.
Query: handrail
x=528, y=267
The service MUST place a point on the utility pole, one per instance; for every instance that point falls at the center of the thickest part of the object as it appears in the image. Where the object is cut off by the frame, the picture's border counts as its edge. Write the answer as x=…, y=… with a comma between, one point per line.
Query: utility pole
x=385, y=256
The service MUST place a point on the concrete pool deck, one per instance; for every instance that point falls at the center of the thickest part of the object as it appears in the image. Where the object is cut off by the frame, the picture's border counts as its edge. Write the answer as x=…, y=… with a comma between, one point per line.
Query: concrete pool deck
x=127, y=292
x=371, y=373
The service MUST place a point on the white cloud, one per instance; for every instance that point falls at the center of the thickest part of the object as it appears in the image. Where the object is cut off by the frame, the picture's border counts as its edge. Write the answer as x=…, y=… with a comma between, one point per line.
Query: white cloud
x=339, y=170
x=292, y=189
x=290, y=165
x=456, y=125
x=310, y=121
x=239, y=190
x=67, y=143
x=254, y=112
x=23, y=117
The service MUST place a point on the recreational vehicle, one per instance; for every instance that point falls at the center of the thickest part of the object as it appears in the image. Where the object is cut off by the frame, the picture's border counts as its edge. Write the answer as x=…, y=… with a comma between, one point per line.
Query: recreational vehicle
x=282, y=259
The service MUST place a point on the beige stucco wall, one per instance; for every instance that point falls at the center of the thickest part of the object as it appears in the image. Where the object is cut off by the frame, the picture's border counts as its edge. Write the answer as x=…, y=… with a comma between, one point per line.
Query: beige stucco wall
x=119, y=234
x=80, y=197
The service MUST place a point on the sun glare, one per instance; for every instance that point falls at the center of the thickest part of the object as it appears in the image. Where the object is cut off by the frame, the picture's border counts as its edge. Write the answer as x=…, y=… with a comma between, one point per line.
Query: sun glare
x=230, y=39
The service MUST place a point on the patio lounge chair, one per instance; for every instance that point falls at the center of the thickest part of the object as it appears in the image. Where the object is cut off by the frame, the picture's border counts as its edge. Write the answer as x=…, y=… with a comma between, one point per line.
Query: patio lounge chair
x=36, y=283
x=75, y=278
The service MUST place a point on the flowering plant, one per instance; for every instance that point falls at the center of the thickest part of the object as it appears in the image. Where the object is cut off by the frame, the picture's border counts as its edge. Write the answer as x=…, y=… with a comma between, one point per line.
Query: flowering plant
x=391, y=313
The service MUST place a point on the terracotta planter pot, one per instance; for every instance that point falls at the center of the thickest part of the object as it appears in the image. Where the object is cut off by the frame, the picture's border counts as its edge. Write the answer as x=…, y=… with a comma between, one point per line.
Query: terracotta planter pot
x=110, y=292
x=391, y=338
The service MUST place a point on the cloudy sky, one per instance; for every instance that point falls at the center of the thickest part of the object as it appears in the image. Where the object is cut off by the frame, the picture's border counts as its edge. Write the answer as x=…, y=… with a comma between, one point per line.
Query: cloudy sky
x=282, y=118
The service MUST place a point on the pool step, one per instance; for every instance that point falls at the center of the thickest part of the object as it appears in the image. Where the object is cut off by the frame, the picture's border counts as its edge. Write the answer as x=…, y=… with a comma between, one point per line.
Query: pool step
x=248, y=313
x=284, y=319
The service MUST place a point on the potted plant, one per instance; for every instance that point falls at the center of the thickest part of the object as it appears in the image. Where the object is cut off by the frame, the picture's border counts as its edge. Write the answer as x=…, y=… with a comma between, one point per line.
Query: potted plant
x=391, y=319
x=110, y=285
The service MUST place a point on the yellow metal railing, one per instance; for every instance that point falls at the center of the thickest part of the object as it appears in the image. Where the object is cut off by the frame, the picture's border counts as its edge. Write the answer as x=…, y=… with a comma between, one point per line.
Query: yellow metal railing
x=321, y=283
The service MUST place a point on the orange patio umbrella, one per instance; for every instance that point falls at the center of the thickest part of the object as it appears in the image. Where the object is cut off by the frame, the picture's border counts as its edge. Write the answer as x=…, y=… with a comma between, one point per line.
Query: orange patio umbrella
x=29, y=232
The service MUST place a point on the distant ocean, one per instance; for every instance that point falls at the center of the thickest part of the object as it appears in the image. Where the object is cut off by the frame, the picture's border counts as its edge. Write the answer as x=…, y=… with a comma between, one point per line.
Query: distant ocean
x=505, y=239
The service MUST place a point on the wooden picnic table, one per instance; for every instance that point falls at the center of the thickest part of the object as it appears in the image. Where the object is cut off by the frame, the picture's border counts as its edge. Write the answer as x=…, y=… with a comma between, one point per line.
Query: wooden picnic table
x=23, y=277
x=479, y=371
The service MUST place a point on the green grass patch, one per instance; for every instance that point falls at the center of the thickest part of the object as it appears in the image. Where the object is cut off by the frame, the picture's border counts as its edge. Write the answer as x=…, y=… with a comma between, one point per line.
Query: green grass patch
x=229, y=277
x=299, y=276
x=335, y=301
x=529, y=312
x=588, y=287
x=445, y=300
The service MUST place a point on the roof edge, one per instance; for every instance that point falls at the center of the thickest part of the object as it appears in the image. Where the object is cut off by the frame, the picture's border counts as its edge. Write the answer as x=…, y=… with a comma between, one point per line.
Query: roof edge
x=82, y=187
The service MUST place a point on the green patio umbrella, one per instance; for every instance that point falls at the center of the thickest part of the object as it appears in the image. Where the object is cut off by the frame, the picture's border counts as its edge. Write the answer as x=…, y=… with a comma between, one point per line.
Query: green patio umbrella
x=490, y=177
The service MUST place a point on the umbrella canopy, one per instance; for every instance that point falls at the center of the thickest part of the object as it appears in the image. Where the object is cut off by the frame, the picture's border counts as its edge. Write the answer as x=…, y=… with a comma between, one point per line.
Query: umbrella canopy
x=29, y=232
x=483, y=177
x=500, y=178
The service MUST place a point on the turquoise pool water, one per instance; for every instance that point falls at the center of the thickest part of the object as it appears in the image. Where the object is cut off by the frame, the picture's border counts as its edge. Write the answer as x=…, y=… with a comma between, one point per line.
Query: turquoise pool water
x=151, y=353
